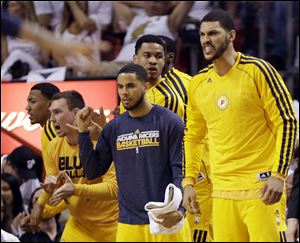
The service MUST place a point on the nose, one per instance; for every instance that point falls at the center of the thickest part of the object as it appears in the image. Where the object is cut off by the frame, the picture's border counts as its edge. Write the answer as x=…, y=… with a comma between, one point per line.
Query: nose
x=123, y=92
x=27, y=108
x=52, y=119
x=152, y=60
x=204, y=38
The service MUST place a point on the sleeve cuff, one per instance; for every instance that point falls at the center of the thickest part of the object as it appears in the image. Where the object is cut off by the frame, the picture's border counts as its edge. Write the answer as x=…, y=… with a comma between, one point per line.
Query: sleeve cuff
x=278, y=175
x=188, y=181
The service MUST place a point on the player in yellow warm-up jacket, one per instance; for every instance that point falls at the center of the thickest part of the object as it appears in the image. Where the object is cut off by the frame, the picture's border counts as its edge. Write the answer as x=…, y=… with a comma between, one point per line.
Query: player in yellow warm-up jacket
x=92, y=203
x=248, y=115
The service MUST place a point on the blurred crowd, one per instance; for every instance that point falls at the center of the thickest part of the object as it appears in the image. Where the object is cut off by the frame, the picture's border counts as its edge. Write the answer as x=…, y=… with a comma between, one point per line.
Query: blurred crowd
x=114, y=26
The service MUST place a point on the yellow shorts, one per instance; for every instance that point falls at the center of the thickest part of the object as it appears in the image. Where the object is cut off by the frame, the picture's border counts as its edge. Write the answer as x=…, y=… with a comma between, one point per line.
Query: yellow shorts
x=281, y=216
x=201, y=224
x=141, y=233
x=244, y=221
x=75, y=231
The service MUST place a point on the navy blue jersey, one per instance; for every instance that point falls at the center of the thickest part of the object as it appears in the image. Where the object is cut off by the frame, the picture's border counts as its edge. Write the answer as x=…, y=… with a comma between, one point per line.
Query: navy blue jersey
x=9, y=25
x=147, y=152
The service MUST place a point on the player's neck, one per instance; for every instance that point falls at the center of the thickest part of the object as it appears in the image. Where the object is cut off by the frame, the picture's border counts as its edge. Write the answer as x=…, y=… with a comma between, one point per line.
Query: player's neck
x=72, y=138
x=224, y=63
x=143, y=109
x=154, y=82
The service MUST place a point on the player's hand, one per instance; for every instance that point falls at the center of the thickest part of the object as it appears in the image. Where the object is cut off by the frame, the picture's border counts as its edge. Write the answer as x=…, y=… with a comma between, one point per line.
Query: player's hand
x=169, y=219
x=65, y=191
x=115, y=111
x=98, y=122
x=36, y=216
x=84, y=118
x=51, y=183
x=189, y=199
x=272, y=191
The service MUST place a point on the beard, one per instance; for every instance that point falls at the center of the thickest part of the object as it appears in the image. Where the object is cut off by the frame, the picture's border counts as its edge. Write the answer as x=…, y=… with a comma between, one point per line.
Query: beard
x=136, y=104
x=219, y=52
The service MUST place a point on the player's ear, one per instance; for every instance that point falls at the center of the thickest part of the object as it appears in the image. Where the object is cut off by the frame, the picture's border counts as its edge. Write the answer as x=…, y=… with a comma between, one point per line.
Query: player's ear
x=135, y=58
x=147, y=86
x=232, y=35
x=75, y=110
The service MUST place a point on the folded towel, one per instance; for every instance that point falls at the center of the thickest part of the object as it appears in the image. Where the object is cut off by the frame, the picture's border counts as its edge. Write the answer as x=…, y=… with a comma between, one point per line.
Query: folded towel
x=173, y=197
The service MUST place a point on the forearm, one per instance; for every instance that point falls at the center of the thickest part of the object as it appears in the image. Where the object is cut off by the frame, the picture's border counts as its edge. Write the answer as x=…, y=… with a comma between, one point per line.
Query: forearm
x=179, y=14
x=80, y=17
x=50, y=211
x=90, y=159
x=40, y=36
x=101, y=191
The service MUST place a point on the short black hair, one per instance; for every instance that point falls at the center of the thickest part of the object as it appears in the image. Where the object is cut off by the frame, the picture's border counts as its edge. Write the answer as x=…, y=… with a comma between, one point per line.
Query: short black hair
x=139, y=71
x=170, y=44
x=148, y=39
x=223, y=17
x=74, y=99
x=47, y=89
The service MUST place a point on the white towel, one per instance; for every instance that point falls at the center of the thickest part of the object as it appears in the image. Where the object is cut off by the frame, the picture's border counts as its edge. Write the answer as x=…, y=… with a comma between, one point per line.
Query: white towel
x=173, y=197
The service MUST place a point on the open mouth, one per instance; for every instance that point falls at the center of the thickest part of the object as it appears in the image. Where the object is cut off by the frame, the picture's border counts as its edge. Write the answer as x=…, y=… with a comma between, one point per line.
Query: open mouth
x=152, y=70
x=208, y=49
x=57, y=127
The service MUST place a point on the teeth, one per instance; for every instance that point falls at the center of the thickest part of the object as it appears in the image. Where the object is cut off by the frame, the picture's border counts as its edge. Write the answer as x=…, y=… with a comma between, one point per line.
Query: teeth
x=208, y=48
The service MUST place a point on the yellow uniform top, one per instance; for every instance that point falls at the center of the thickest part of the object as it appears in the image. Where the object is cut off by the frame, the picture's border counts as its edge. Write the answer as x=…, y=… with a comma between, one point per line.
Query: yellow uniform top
x=250, y=121
x=48, y=134
x=180, y=82
x=163, y=94
x=94, y=201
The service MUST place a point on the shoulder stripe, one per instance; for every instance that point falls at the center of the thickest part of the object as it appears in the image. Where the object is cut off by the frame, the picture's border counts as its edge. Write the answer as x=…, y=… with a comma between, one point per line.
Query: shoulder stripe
x=173, y=82
x=164, y=94
x=46, y=132
x=205, y=70
x=185, y=99
x=174, y=100
x=281, y=98
x=50, y=129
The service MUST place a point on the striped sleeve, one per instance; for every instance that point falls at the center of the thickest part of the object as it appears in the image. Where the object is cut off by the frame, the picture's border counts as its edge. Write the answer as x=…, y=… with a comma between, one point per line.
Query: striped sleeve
x=172, y=100
x=279, y=108
x=193, y=138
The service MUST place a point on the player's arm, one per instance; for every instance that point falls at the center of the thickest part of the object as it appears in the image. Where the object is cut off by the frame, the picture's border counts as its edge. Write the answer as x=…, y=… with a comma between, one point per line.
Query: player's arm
x=178, y=15
x=278, y=105
x=95, y=162
x=193, y=139
x=105, y=190
x=51, y=170
x=175, y=133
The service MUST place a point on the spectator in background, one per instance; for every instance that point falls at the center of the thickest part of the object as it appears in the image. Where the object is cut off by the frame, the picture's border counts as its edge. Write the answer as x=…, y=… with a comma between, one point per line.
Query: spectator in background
x=159, y=18
x=72, y=28
x=15, y=49
x=292, y=233
x=293, y=211
x=5, y=236
x=49, y=226
x=13, y=26
x=49, y=14
x=25, y=165
x=14, y=203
